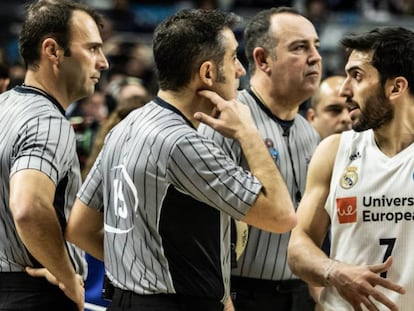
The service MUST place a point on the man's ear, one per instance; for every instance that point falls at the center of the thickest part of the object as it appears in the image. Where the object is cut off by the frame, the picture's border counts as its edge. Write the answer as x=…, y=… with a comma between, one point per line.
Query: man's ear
x=207, y=73
x=51, y=49
x=310, y=114
x=260, y=56
x=395, y=87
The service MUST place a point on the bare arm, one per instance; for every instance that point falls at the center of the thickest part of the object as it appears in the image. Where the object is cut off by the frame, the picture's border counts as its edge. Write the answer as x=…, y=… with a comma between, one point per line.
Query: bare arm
x=85, y=229
x=273, y=210
x=31, y=203
x=354, y=283
x=306, y=259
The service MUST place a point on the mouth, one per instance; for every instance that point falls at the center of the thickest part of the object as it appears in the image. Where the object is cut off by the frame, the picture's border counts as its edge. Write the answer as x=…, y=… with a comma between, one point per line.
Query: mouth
x=352, y=105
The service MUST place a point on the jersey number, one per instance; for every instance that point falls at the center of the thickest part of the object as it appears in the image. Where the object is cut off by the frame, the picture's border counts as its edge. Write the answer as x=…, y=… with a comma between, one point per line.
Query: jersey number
x=119, y=200
x=390, y=246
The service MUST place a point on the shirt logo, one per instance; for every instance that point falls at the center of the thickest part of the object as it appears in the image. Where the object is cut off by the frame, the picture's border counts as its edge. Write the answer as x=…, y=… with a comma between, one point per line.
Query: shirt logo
x=272, y=150
x=346, y=210
x=349, y=178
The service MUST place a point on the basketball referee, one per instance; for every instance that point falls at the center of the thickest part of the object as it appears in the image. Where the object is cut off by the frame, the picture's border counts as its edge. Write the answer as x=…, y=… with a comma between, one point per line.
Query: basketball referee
x=163, y=193
x=282, y=49
x=61, y=47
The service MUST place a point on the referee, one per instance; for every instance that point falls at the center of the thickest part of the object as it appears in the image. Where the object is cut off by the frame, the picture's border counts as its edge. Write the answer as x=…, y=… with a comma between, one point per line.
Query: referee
x=282, y=49
x=163, y=193
x=61, y=47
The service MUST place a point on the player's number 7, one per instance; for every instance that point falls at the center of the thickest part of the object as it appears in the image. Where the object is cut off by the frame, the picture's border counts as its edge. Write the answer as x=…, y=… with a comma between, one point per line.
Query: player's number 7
x=390, y=246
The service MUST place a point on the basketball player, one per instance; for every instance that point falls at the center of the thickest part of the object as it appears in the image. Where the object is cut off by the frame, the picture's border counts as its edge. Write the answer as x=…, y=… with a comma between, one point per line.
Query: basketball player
x=282, y=49
x=163, y=193
x=62, y=49
x=360, y=184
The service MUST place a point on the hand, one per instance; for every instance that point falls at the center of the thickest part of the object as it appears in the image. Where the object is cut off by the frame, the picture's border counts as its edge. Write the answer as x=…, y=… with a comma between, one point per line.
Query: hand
x=230, y=118
x=75, y=291
x=356, y=284
x=229, y=305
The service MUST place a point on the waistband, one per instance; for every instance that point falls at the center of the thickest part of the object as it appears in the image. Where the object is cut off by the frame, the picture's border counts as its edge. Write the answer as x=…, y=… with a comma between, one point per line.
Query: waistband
x=21, y=280
x=167, y=301
x=258, y=285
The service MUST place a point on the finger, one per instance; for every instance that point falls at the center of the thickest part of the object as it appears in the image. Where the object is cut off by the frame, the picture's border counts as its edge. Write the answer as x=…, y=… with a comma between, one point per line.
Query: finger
x=206, y=119
x=36, y=272
x=212, y=96
x=380, y=297
x=389, y=285
x=381, y=267
x=369, y=304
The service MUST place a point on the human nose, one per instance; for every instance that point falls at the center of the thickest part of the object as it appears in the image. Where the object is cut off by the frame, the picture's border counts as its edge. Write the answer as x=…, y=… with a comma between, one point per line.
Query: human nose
x=315, y=56
x=102, y=62
x=345, y=90
x=240, y=69
x=345, y=117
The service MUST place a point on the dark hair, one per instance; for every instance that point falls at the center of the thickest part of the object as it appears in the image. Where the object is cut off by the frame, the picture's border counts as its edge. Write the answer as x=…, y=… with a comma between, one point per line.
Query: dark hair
x=256, y=33
x=49, y=18
x=393, y=51
x=183, y=41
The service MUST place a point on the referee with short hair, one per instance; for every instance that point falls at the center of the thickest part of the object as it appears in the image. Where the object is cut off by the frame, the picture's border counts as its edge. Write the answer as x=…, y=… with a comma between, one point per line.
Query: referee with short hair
x=39, y=169
x=163, y=193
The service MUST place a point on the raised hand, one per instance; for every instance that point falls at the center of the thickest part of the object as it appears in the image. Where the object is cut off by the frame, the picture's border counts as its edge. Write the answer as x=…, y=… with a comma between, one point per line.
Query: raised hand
x=358, y=284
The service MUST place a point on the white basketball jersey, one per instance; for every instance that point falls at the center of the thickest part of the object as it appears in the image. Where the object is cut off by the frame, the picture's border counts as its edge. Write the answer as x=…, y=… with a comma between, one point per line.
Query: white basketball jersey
x=371, y=206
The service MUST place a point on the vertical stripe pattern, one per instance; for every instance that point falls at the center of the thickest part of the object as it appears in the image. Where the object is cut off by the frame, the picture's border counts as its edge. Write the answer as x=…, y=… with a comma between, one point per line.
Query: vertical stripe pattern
x=166, y=193
x=34, y=134
x=265, y=253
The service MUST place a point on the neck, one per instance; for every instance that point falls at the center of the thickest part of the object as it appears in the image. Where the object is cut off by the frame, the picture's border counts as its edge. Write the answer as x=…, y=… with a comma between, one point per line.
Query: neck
x=33, y=79
x=278, y=106
x=186, y=102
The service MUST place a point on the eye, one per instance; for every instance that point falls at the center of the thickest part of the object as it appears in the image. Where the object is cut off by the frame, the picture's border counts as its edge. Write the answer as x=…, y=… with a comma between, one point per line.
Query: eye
x=300, y=47
x=356, y=75
x=334, y=109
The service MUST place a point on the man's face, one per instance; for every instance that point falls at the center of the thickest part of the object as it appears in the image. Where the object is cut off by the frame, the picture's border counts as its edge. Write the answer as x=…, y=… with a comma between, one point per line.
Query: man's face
x=295, y=61
x=369, y=107
x=331, y=115
x=81, y=70
x=230, y=71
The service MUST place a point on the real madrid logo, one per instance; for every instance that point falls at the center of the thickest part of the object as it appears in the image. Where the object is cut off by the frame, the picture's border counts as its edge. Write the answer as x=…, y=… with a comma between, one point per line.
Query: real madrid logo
x=349, y=178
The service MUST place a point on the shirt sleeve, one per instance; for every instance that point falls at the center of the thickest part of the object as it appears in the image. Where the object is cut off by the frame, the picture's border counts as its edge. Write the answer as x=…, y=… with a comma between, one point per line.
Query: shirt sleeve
x=200, y=168
x=46, y=143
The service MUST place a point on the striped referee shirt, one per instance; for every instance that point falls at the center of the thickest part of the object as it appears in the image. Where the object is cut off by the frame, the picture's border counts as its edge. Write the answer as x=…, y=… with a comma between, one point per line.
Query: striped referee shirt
x=34, y=134
x=167, y=193
x=291, y=145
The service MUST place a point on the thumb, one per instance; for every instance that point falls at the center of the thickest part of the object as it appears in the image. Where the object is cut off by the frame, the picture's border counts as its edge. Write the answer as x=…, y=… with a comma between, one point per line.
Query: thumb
x=381, y=267
x=34, y=272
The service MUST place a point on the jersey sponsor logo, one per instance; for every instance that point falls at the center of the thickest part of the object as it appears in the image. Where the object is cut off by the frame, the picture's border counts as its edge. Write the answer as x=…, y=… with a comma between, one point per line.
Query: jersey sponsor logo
x=386, y=209
x=124, y=203
x=272, y=150
x=346, y=210
x=349, y=178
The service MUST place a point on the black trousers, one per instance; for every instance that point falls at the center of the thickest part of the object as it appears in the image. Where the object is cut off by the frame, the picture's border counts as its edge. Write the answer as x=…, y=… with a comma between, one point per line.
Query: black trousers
x=253, y=294
x=21, y=292
x=129, y=301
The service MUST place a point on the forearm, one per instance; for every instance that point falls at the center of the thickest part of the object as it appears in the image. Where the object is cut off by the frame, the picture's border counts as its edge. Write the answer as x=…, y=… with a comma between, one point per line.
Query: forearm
x=275, y=194
x=308, y=261
x=85, y=229
x=91, y=243
x=42, y=236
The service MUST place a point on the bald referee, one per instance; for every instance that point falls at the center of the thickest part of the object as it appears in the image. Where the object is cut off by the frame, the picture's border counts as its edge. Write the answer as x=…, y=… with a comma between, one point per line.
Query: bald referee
x=282, y=49
x=61, y=46
x=163, y=194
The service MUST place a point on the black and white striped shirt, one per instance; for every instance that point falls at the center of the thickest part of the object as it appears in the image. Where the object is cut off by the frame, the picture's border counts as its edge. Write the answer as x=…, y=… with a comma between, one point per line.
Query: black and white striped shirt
x=34, y=134
x=291, y=145
x=167, y=193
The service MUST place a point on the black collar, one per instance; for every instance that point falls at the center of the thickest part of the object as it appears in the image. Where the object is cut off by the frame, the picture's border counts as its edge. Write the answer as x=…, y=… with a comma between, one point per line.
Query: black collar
x=168, y=106
x=34, y=90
